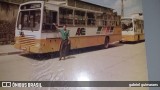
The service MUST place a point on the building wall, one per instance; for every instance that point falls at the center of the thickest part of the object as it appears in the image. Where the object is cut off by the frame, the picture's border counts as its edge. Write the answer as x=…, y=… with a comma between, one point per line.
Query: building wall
x=8, y=11
x=8, y=14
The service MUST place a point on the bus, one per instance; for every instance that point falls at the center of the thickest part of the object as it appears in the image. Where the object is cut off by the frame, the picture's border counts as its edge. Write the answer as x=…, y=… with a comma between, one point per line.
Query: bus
x=132, y=29
x=36, y=33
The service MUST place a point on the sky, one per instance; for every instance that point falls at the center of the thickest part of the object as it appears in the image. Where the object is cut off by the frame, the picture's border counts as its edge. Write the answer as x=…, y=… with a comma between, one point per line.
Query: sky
x=130, y=6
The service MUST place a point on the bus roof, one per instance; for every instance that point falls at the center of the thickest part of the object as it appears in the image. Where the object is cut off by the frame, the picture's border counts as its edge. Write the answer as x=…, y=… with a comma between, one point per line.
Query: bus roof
x=139, y=18
x=64, y=4
x=31, y=2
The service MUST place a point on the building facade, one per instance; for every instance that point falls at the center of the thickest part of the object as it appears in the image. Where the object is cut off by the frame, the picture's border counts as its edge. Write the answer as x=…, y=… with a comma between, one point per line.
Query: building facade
x=8, y=13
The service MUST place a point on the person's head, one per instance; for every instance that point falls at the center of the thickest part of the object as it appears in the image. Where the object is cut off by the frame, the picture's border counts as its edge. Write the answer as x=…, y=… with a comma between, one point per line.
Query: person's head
x=64, y=27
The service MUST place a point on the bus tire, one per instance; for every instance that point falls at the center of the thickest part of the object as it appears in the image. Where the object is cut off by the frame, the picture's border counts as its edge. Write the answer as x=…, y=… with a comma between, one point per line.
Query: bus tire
x=106, y=43
x=138, y=38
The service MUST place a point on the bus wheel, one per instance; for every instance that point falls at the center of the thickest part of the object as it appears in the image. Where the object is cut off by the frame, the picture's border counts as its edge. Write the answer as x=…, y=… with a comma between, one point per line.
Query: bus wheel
x=106, y=43
x=139, y=38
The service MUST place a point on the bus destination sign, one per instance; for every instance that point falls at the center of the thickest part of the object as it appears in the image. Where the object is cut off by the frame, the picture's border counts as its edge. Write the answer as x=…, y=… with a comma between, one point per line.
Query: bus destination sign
x=31, y=6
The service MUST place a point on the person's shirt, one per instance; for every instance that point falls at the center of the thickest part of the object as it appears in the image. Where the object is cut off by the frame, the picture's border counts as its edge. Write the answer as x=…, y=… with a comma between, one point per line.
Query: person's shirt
x=64, y=34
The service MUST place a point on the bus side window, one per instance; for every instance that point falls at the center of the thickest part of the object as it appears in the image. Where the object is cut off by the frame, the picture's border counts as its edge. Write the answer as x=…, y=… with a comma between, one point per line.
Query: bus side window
x=142, y=27
x=136, y=26
x=49, y=17
x=130, y=25
x=66, y=16
x=105, y=20
x=99, y=19
x=79, y=18
x=91, y=19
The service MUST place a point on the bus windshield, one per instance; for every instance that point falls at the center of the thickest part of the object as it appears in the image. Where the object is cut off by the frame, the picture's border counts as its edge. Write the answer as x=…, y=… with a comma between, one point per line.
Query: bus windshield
x=29, y=20
x=127, y=24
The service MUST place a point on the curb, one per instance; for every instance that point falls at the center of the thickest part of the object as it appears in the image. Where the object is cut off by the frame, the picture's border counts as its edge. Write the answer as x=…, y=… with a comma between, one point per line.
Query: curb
x=10, y=53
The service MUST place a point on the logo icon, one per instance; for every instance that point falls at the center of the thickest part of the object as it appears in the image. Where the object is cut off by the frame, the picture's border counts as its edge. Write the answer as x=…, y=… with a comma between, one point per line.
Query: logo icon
x=81, y=31
x=6, y=84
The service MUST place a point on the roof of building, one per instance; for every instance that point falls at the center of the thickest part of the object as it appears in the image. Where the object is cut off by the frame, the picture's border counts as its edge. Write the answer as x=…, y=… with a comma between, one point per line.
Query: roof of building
x=95, y=4
x=63, y=2
x=9, y=2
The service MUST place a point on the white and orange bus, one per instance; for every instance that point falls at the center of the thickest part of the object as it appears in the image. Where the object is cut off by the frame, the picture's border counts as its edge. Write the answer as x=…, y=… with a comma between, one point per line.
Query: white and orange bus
x=132, y=29
x=36, y=33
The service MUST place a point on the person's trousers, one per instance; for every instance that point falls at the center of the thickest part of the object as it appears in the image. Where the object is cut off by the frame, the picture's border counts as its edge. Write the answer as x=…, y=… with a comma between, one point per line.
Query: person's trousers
x=63, y=48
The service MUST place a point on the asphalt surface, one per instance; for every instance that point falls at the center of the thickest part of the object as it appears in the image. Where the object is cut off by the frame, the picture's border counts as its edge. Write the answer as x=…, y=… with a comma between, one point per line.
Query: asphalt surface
x=121, y=62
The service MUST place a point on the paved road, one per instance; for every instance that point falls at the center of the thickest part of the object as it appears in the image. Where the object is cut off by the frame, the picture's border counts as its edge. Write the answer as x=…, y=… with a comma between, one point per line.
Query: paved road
x=122, y=62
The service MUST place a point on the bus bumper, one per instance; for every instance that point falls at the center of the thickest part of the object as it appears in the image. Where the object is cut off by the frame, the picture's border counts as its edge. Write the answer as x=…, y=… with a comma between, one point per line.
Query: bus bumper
x=27, y=45
x=29, y=49
x=130, y=38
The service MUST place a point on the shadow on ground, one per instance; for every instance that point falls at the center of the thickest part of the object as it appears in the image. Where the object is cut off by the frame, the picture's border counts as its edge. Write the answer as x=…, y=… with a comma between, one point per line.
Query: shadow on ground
x=47, y=56
x=136, y=42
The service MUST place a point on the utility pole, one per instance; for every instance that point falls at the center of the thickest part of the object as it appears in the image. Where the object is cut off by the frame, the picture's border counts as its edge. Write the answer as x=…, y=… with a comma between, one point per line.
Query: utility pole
x=122, y=8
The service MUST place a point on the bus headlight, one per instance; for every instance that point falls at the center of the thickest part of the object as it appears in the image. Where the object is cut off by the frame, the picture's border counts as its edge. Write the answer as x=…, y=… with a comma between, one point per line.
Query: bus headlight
x=38, y=45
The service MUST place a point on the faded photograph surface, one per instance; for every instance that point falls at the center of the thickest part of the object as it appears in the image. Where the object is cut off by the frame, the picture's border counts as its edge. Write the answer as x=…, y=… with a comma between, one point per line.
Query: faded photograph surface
x=72, y=40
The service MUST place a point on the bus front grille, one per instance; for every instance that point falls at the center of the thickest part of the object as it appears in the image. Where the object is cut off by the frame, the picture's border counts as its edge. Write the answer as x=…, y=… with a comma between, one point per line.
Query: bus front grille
x=27, y=40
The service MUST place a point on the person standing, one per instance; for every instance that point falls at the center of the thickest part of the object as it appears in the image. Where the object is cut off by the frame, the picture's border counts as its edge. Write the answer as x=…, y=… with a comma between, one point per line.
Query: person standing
x=65, y=41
